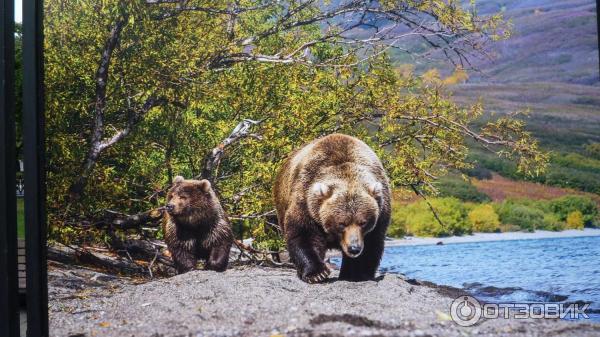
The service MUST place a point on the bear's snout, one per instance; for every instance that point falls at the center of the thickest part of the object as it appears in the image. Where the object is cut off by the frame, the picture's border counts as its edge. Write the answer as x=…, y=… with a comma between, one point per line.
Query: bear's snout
x=170, y=208
x=352, y=241
x=355, y=249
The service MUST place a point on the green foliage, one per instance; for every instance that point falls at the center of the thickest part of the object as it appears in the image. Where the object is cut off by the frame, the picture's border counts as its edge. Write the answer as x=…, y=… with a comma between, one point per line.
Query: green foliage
x=18, y=90
x=418, y=219
x=570, y=170
x=577, y=161
x=397, y=228
x=568, y=212
x=593, y=150
x=566, y=205
x=483, y=218
x=526, y=214
x=461, y=189
x=413, y=125
x=20, y=218
x=553, y=223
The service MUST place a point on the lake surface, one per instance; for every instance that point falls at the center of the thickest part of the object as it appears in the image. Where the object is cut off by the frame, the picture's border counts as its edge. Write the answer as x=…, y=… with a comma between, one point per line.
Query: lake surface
x=537, y=270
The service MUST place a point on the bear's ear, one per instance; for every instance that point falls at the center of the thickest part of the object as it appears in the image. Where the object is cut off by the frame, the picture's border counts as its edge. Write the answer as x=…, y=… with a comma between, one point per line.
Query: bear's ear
x=321, y=190
x=178, y=179
x=204, y=185
x=375, y=188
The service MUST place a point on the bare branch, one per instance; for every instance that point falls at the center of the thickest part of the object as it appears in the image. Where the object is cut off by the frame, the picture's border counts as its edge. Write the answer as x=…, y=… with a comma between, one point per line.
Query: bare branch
x=242, y=130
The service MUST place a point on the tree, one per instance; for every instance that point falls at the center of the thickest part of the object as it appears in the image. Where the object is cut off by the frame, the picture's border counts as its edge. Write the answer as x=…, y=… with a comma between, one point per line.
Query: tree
x=140, y=90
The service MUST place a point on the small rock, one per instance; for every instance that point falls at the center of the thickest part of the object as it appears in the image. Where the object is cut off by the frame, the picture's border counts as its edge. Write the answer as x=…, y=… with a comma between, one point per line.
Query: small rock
x=419, y=333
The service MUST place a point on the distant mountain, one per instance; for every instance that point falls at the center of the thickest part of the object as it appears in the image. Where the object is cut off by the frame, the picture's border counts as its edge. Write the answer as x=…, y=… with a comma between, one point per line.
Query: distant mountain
x=552, y=41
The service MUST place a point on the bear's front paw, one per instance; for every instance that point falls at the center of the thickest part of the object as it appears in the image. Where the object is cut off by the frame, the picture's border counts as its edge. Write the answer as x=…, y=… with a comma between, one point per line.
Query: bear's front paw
x=317, y=276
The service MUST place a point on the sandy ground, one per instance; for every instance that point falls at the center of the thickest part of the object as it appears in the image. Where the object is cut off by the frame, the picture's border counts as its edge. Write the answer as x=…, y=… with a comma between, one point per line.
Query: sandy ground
x=482, y=237
x=255, y=301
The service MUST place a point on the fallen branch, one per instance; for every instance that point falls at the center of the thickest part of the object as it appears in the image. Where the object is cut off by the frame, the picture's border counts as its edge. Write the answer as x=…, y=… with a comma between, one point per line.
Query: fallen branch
x=69, y=254
x=270, y=218
x=123, y=221
x=261, y=257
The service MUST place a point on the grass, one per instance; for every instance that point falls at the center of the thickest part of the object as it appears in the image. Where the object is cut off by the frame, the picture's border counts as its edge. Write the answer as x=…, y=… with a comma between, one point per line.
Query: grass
x=20, y=218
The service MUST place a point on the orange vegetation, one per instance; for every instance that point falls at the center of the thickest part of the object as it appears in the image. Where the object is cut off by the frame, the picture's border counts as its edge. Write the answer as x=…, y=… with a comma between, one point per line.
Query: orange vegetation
x=499, y=188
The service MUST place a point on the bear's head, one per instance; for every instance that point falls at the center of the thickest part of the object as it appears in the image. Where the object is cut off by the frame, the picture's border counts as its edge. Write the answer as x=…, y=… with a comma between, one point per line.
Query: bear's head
x=346, y=211
x=191, y=202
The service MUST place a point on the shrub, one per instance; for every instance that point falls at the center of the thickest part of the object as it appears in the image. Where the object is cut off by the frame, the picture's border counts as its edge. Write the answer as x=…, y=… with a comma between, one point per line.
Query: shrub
x=483, y=218
x=575, y=220
x=552, y=223
x=593, y=150
x=509, y=228
x=397, y=228
x=526, y=217
x=463, y=190
x=418, y=219
x=564, y=206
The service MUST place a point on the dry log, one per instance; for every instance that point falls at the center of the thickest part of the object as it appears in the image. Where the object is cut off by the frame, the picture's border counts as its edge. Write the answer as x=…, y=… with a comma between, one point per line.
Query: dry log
x=67, y=254
x=123, y=221
x=122, y=262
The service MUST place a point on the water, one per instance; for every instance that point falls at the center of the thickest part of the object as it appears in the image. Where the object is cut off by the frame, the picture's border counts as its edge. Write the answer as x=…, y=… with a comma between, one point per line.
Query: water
x=537, y=270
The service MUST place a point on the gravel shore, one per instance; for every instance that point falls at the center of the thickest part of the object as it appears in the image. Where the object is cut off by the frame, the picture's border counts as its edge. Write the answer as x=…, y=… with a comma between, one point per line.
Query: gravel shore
x=254, y=301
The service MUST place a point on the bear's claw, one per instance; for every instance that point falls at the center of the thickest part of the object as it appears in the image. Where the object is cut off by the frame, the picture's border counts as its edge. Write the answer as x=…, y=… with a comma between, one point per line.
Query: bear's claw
x=318, y=278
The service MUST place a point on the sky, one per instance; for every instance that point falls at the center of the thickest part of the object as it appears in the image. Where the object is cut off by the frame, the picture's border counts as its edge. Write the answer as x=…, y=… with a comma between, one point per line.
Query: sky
x=18, y=11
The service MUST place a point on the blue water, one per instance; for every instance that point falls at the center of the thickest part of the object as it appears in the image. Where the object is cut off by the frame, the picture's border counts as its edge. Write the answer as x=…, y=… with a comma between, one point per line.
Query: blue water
x=539, y=270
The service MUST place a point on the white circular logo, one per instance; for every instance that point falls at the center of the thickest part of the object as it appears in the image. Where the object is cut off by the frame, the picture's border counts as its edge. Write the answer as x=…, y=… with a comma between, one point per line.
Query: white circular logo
x=465, y=311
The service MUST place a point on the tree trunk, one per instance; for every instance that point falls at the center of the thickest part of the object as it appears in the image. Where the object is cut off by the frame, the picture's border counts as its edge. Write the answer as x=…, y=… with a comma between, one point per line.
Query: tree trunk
x=77, y=187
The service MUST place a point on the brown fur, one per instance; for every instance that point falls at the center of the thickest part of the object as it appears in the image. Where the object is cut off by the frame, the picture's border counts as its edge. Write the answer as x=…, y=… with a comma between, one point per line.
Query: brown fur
x=334, y=193
x=195, y=226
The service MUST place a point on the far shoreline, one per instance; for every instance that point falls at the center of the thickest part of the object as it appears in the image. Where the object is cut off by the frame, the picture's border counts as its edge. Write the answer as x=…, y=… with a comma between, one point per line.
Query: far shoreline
x=488, y=237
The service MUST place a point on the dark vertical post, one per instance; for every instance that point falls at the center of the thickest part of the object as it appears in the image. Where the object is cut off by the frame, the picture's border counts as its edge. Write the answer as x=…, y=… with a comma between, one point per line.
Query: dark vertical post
x=598, y=31
x=9, y=305
x=34, y=151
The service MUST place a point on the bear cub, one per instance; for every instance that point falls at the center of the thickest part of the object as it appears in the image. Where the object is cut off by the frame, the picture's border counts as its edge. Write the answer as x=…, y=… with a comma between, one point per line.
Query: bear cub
x=195, y=226
x=334, y=193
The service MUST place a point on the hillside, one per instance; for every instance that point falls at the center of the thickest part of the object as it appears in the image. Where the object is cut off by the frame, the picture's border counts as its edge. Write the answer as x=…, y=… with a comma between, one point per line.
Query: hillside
x=552, y=41
x=548, y=67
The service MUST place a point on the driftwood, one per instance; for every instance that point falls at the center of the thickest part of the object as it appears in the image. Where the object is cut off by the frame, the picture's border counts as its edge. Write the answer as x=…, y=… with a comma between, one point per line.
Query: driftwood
x=70, y=255
x=119, y=220
x=149, y=250
x=130, y=256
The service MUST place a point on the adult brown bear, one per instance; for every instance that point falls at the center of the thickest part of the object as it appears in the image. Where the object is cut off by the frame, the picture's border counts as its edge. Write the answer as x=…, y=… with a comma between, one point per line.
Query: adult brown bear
x=334, y=193
x=195, y=226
